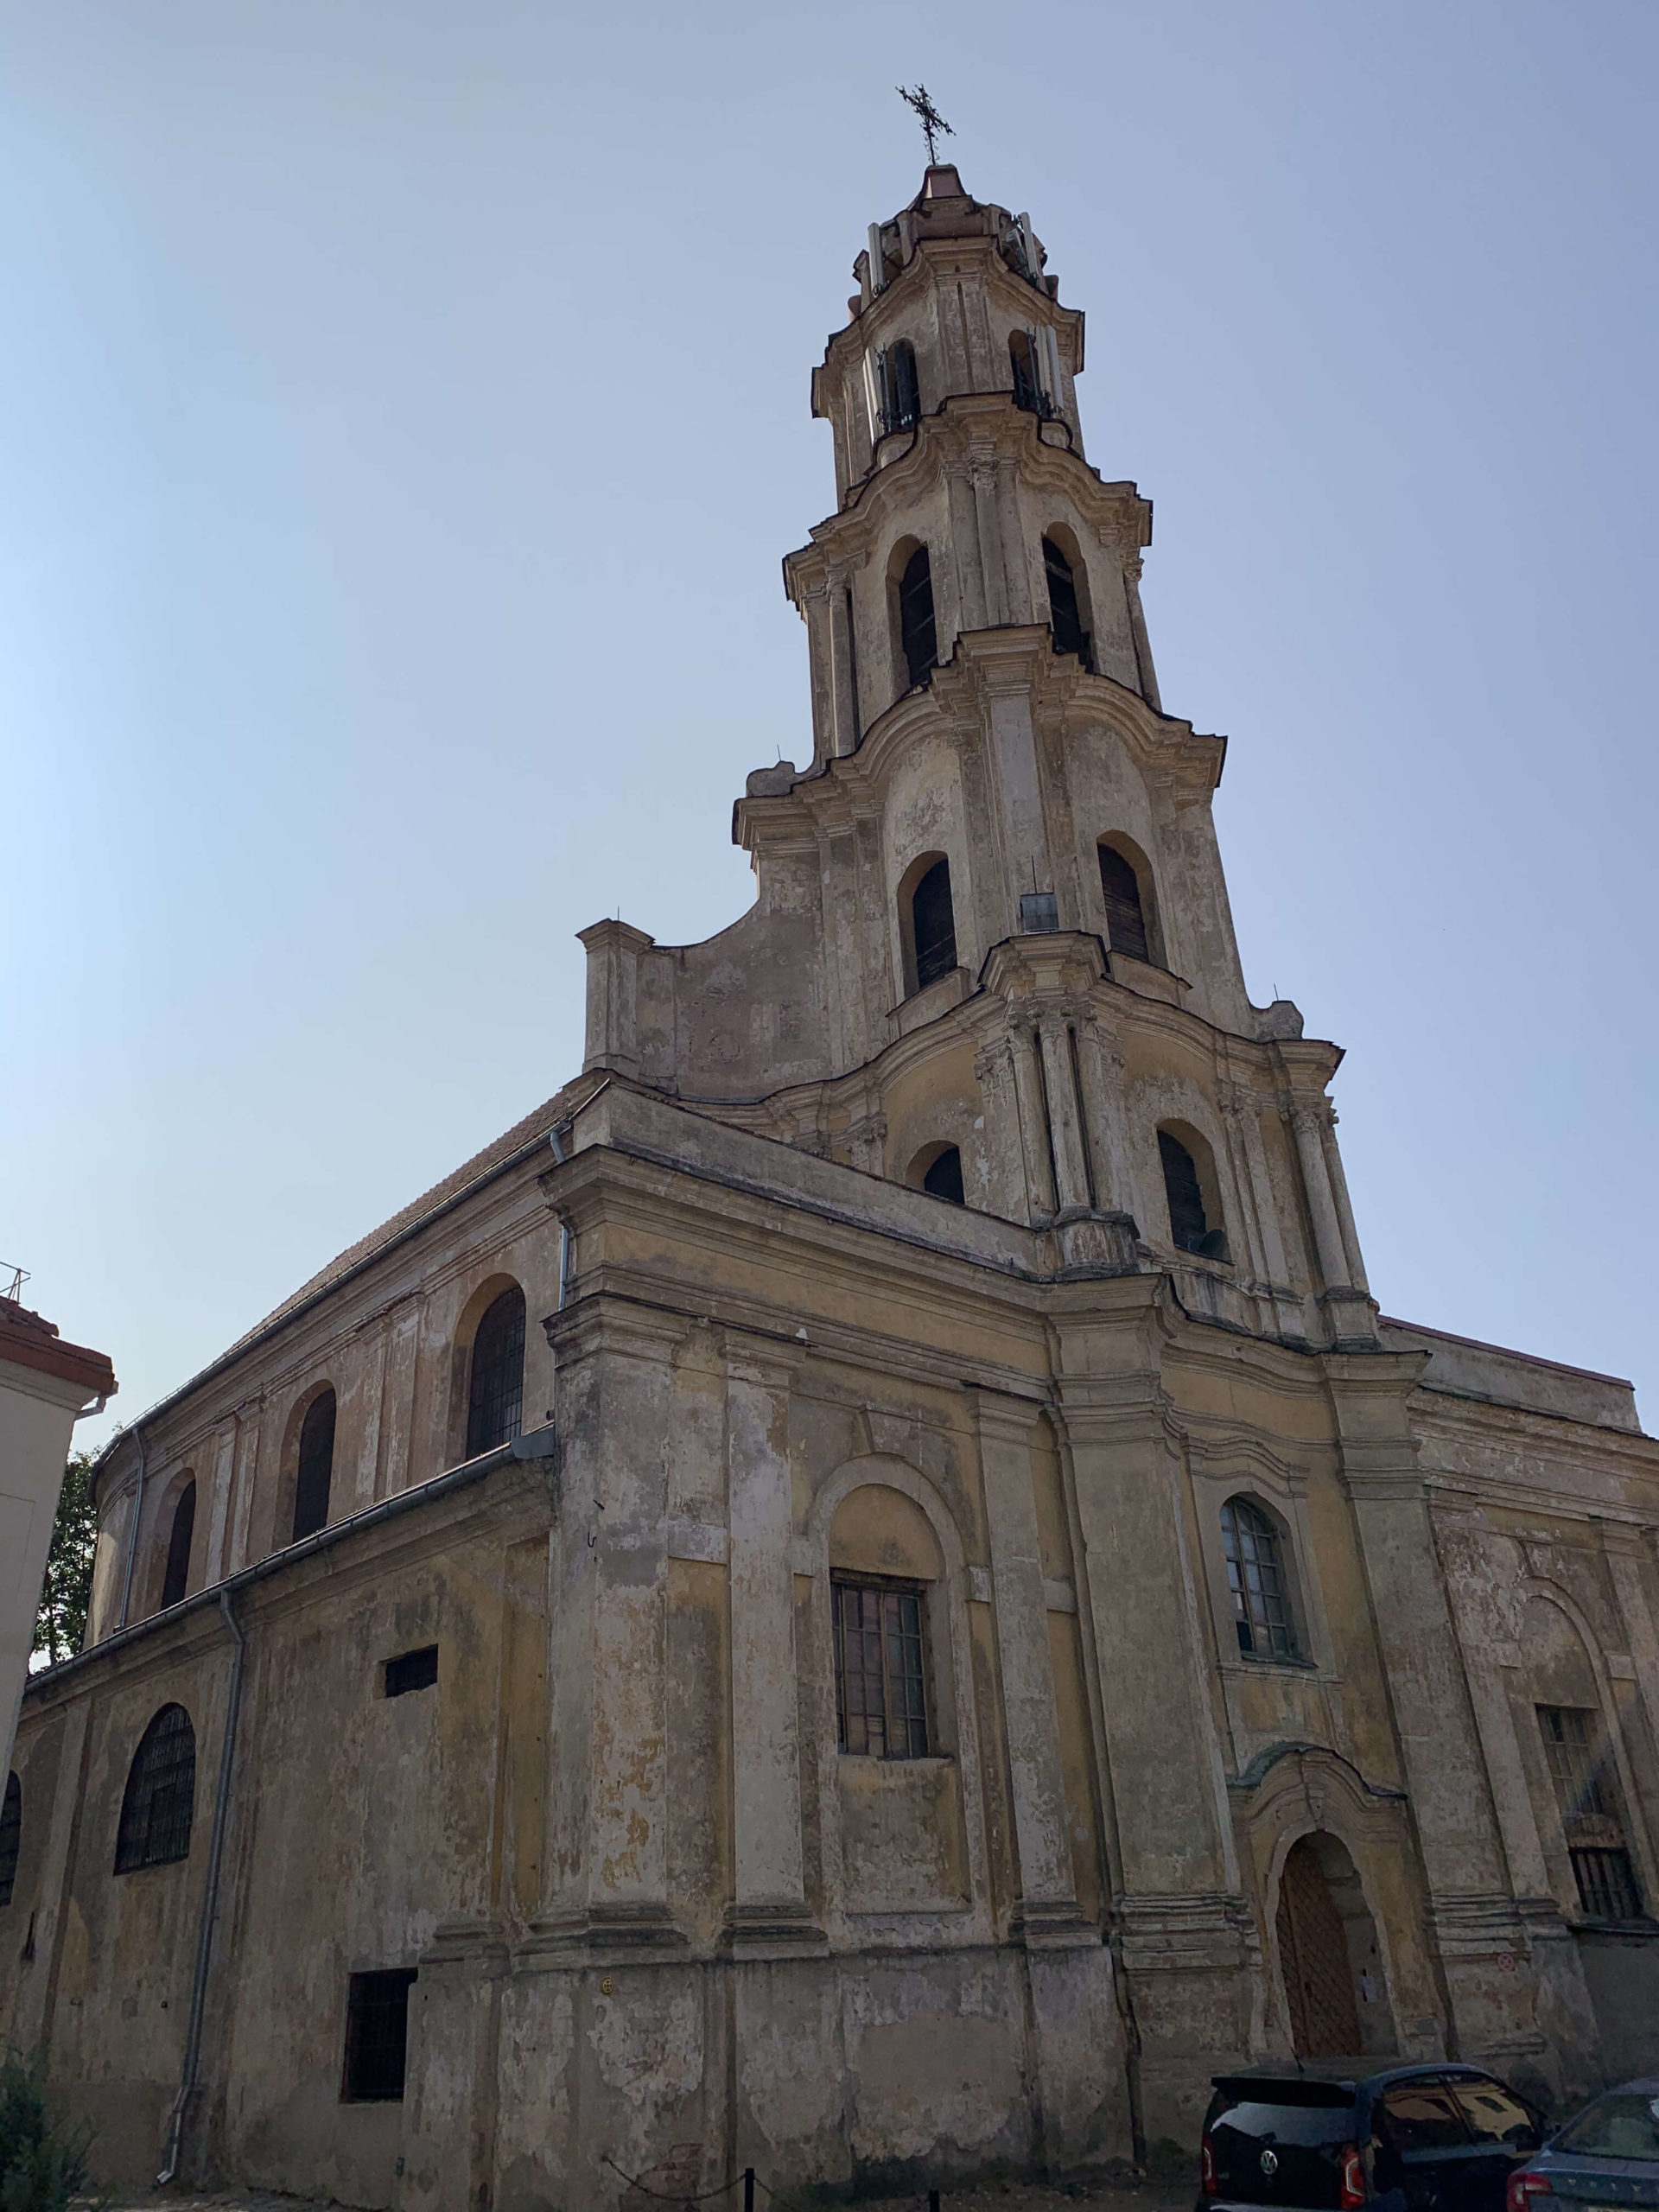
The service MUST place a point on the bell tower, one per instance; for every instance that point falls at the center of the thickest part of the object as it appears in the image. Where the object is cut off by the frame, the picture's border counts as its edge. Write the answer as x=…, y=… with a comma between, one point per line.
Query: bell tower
x=992, y=956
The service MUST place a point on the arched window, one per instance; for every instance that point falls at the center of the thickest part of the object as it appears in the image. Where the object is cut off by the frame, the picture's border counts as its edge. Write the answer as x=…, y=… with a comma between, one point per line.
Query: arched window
x=11, y=1837
x=1255, y=1577
x=901, y=395
x=1125, y=920
x=316, y=1467
x=495, y=1394
x=944, y=1176
x=1190, y=1229
x=884, y=1563
x=177, y=1576
x=933, y=926
x=1066, y=617
x=1027, y=384
x=917, y=633
x=161, y=1795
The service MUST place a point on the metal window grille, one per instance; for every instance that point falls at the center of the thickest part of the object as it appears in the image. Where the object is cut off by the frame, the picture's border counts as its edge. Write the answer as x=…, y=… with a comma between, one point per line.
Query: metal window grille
x=1064, y=615
x=316, y=1467
x=880, y=1676
x=11, y=1837
x=160, y=1793
x=1606, y=1883
x=176, y=1580
x=1256, y=1581
x=376, y=2037
x=917, y=633
x=1581, y=1790
x=496, y=1397
x=412, y=1670
x=1585, y=1781
x=933, y=926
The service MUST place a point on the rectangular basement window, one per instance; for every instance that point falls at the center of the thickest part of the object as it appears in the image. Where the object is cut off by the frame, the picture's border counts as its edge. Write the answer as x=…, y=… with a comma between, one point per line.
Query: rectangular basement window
x=376, y=2037
x=412, y=1670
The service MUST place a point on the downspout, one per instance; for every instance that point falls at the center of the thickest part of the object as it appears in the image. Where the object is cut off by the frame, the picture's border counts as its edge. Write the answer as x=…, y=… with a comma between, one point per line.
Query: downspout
x=560, y=1156
x=132, y=1534
x=210, y=1900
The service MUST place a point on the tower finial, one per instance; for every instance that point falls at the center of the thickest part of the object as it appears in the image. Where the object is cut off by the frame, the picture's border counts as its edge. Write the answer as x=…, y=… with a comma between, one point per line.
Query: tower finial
x=928, y=116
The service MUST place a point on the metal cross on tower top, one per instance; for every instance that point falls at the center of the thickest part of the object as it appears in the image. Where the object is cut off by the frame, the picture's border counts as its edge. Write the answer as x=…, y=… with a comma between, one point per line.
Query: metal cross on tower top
x=928, y=116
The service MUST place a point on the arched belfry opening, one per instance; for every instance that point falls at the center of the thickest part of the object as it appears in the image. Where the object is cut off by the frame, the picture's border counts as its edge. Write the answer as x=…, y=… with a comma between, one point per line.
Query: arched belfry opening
x=917, y=634
x=927, y=922
x=1329, y=1956
x=1065, y=615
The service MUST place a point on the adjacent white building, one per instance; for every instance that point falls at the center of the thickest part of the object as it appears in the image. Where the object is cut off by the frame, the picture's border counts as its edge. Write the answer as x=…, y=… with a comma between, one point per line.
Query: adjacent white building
x=46, y=1385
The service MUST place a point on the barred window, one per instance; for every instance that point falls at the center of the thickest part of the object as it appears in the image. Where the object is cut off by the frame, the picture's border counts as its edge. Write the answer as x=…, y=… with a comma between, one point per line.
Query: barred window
x=11, y=1836
x=1585, y=1781
x=161, y=1795
x=176, y=1580
x=880, y=1670
x=316, y=1467
x=496, y=1395
x=376, y=2037
x=1255, y=1577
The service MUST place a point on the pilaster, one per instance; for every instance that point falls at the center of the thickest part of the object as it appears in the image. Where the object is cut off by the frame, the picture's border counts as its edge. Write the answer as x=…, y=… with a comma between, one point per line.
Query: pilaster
x=768, y=1917
x=605, y=1866
x=1046, y=1908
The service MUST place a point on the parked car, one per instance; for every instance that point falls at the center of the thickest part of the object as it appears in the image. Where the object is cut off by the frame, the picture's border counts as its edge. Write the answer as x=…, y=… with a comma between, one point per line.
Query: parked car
x=1326, y=2137
x=1608, y=2154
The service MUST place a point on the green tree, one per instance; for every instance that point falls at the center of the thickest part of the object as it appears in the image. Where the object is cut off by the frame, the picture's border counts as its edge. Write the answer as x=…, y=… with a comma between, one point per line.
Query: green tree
x=60, y=1625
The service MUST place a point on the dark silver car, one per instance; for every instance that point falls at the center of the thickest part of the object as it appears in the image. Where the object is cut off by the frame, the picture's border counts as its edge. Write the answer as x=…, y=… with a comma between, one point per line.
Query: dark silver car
x=1608, y=2154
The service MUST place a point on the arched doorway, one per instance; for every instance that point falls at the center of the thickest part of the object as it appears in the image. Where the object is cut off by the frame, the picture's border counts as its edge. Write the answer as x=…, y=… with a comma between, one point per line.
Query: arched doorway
x=1328, y=1955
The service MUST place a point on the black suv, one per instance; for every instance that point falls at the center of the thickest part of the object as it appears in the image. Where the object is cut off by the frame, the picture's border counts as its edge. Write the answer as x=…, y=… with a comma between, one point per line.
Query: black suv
x=1417, y=2139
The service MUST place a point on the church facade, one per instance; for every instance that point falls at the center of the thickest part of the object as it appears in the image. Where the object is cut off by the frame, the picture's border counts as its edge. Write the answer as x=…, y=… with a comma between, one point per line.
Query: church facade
x=868, y=1592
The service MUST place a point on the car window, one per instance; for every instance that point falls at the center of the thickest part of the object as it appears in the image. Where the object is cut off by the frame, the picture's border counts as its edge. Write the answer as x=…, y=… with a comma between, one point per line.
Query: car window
x=1277, y=2123
x=1421, y=2116
x=1495, y=2114
x=1623, y=2123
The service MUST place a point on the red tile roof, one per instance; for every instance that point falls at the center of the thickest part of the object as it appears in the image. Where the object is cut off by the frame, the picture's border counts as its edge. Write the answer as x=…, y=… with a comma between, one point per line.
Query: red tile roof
x=27, y=1340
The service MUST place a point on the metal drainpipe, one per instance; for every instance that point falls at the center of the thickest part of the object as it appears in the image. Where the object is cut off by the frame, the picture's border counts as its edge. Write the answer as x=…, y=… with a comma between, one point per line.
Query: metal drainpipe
x=560, y=1156
x=210, y=1900
x=132, y=1534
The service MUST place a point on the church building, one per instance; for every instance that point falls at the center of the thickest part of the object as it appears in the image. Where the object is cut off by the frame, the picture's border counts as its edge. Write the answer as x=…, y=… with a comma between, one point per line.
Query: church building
x=867, y=1592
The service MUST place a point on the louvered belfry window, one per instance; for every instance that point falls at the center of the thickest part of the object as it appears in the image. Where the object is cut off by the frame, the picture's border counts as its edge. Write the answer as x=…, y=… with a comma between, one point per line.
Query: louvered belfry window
x=1125, y=920
x=160, y=1801
x=316, y=1467
x=176, y=1580
x=1189, y=1230
x=11, y=1837
x=495, y=1396
x=1065, y=616
x=917, y=633
x=881, y=1695
x=1255, y=1578
x=933, y=923
x=1585, y=1781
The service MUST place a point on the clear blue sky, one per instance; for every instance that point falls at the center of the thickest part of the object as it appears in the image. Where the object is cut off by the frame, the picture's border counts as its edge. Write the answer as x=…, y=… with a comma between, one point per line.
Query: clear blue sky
x=403, y=412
